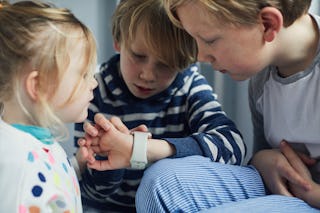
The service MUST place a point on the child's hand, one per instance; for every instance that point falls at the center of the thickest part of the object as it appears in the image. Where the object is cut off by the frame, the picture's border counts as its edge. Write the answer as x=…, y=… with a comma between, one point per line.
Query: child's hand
x=277, y=171
x=299, y=163
x=118, y=148
x=113, y=139
x=103, y=124
x=85, y=153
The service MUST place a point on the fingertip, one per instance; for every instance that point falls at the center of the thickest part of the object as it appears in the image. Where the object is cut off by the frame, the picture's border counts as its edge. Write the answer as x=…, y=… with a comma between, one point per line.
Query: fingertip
x=144, y=128
x=89, y=129
x=81, y=142
x=102, y=121
x=283, y=143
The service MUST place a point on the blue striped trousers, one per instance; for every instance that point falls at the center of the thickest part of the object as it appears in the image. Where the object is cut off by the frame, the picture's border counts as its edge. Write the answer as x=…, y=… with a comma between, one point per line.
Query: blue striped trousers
x=195, y=183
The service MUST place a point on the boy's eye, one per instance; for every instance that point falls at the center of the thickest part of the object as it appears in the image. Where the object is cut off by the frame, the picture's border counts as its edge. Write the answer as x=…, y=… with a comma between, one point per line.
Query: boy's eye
x=138, y=56
x=210, y=42
x=163, y=66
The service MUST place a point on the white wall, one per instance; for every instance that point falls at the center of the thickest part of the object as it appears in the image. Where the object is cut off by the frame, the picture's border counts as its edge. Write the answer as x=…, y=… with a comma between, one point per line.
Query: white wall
x=315, y=7
x=96, y=14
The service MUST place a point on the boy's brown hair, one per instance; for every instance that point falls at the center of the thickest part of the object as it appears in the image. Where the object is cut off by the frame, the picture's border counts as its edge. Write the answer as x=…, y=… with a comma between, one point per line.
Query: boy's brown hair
x=172, y=45
x=242, y=12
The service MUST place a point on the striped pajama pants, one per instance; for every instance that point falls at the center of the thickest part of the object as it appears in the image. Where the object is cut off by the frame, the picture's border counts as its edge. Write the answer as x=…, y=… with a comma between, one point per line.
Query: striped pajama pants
x=195, y=183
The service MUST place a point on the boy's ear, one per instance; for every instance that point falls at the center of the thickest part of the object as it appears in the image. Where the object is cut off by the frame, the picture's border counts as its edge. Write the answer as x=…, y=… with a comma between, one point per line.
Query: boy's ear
x=272, y=21
x=32, y=82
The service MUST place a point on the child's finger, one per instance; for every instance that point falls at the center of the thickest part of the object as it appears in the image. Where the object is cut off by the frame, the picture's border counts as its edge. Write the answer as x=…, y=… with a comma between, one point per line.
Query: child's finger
x=82, y=142
x=306, y=159
x=100, y=165
x=119, y=125
x=293, y=172
x=141, y=128
x=102, y=121
x=282, y=189
x=293, y=177
x=292, y=157
x=90, y=129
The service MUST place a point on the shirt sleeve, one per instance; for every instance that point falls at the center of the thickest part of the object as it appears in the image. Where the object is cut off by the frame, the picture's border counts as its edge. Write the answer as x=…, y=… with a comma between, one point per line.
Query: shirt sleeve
x=214, y=135
x=255, y=90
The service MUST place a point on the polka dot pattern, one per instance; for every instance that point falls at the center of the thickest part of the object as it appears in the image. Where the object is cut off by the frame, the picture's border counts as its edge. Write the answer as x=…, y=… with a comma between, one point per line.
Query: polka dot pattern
x=42, y=178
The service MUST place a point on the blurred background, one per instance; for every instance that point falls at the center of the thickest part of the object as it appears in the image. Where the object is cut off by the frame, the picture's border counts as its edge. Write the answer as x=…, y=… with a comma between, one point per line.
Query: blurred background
x=96, y=14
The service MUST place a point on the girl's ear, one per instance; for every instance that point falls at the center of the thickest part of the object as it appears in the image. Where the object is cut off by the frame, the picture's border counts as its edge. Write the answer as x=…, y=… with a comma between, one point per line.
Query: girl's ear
x=272, y=21
x=116, y=46
x=32, y=82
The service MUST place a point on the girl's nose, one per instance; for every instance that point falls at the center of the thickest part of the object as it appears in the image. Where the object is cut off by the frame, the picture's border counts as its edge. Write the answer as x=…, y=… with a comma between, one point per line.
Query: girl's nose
x=94, y=83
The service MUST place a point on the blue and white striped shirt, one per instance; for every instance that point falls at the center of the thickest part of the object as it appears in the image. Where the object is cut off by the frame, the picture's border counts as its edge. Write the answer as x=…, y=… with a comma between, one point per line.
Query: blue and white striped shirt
x=187, y=115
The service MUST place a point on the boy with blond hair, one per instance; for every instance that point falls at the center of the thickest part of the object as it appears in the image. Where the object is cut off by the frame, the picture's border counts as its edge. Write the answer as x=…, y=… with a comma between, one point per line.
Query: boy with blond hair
x=151, y=82
x=276, y=42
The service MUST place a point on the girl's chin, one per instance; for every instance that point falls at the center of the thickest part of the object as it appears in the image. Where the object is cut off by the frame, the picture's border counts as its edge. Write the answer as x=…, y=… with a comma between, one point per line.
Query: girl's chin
x=82, y=117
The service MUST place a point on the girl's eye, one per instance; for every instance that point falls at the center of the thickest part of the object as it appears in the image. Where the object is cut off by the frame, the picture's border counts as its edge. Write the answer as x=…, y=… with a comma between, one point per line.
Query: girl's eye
x=87, y=75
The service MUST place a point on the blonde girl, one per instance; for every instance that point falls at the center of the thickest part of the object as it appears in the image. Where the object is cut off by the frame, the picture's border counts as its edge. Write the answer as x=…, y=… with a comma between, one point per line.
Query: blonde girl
x=47, y=58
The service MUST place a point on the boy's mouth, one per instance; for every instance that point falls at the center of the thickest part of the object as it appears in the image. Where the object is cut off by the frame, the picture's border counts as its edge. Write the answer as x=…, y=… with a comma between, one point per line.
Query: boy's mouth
x=223, y=71
x=144, y=89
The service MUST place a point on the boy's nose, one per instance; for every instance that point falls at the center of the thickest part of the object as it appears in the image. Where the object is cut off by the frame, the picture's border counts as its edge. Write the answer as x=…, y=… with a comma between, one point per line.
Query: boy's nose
x=147, y=74
x=205, y=57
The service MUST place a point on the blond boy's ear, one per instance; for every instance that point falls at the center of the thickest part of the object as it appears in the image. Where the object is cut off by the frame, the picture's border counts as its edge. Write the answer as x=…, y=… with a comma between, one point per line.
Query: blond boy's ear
x=32, y=82
x=272, y=21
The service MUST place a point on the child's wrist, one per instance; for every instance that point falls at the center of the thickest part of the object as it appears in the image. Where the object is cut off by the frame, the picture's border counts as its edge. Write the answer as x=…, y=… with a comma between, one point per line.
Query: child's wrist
x=159, y=149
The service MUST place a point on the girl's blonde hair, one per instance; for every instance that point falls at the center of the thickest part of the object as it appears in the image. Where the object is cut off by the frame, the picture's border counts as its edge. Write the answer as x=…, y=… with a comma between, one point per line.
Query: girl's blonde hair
x=237, y=12
x=37, y=36
x=172, y=45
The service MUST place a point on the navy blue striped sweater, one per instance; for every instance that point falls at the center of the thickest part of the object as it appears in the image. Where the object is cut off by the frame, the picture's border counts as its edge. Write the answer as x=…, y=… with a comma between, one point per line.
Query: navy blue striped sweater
x=187, y=115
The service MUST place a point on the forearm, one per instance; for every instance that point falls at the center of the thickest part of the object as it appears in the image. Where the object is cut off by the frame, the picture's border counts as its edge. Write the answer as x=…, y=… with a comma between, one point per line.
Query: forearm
x=158, y=149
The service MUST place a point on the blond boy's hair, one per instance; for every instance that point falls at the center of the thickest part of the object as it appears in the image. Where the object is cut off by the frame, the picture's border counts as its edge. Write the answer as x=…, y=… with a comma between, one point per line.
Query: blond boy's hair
x=242, y=12
x=37, y=36
x=172, y=45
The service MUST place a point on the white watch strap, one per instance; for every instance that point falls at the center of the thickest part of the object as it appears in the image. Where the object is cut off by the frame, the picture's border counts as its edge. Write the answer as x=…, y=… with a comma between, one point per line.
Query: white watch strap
x=139, y=153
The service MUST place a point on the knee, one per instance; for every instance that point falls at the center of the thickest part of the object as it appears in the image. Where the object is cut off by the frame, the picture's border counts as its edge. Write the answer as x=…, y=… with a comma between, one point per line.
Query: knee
x=154, y=175
x=149, y=191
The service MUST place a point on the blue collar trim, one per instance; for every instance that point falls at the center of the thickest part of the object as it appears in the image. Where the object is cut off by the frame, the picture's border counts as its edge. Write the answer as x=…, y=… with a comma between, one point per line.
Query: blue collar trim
x=42, y=134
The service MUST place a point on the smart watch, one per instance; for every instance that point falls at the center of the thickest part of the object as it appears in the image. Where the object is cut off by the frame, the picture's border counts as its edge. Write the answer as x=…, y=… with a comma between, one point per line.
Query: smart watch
x=139, y=152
